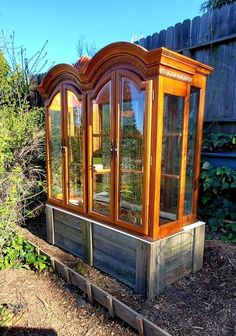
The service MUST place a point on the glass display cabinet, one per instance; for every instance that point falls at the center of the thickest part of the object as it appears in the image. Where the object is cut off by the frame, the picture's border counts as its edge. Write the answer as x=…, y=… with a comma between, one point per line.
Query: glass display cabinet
x=124, y=133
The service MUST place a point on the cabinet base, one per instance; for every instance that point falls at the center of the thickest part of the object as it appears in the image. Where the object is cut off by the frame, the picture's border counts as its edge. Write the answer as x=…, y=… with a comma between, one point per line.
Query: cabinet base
x=146, y=266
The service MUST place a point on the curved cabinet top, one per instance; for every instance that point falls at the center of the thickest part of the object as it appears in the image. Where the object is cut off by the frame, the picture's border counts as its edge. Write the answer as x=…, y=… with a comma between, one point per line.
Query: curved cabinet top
x=86, y=71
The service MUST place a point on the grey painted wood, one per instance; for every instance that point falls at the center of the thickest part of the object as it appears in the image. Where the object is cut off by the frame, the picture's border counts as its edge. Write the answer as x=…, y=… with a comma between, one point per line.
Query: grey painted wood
x=198, y=247
x=50, y=225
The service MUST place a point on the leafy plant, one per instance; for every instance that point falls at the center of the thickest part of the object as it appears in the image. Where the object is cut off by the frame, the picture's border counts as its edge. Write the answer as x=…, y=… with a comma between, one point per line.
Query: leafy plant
x=217, y=201
x=16, y=252
x=219, y=142
x=21, y=145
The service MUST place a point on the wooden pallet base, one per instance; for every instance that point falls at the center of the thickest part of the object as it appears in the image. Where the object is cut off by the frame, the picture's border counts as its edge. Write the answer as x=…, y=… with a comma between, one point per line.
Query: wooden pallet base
x=146, y=266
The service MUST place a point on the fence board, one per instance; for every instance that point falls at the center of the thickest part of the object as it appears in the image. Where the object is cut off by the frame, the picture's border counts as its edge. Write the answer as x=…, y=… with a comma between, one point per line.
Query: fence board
x=212, y=36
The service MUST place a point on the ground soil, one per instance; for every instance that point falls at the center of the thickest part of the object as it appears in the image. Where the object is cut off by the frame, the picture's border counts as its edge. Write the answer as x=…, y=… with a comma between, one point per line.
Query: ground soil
x=43, y=305
x=203, y=303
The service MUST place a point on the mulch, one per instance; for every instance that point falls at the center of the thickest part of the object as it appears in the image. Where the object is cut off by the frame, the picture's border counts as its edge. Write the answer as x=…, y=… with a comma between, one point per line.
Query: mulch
x=43, y=305
x=200, y=304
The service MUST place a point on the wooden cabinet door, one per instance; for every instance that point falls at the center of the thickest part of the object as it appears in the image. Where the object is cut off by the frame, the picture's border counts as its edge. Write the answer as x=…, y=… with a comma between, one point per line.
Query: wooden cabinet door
x=66, y=158
x=132, y=164
x=101, y=123
x=55, y=155
x=119, y=150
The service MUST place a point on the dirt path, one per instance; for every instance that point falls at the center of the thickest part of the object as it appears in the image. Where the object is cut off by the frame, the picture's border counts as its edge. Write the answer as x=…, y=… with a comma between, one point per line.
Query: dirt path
x=201, y=304
x=44, y=305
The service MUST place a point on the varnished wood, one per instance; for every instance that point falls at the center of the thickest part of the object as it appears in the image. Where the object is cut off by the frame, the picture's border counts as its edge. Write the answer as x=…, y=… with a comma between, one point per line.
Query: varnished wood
x=158, y=72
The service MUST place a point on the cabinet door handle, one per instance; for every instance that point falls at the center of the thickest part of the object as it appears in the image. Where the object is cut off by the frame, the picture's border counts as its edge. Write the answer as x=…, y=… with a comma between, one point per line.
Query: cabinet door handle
x=115, y=148
x=112, y=149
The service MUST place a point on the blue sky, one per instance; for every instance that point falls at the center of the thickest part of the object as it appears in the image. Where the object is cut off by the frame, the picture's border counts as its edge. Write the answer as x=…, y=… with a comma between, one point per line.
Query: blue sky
x=62, y=22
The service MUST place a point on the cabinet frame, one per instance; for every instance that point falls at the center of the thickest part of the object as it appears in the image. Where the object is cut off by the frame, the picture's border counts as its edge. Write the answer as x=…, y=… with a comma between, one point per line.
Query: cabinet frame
x=159, y=71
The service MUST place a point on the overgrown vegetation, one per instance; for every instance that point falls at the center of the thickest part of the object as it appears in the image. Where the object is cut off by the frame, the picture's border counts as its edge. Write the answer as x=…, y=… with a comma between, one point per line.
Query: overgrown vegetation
x=217, y=203
x=213, y=4
x=16, y=253
x=219, y=142
x=21, y=157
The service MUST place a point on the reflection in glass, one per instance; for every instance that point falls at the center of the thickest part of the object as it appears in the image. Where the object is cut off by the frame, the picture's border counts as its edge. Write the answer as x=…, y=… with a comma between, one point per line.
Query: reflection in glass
x=193, y=114
x=101, y=160
x=171, y=157
x=131, y=152
x=75, y=149
x=55, y=121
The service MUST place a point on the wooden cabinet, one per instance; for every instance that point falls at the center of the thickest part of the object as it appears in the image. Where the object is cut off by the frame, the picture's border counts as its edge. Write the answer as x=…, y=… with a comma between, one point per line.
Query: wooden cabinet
x=124, y=132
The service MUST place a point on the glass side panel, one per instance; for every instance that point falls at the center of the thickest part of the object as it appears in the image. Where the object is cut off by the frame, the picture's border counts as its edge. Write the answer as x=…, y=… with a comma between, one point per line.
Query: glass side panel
x=171, y=157
x=75, y=149
x=55, y=134
x=193, y=116
x=101, y=156
x=131, y=153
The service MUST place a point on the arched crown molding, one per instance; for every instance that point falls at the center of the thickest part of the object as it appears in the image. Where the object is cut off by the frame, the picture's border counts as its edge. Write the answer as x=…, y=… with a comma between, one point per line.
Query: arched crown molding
x=86, y=71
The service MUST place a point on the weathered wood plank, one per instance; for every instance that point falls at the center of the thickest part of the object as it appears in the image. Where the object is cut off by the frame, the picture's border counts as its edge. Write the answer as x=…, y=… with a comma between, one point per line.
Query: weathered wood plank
x=110, y=305
x=87, y=242
x=154, y=41
x=139, y=322
x=198, y=247
x=68, y=245
x=141, y=267
x=161, y=39
x=68, y=232
x=195, y=31
x=68, y=220
x=50, y=225
x=77, y=280
x=89, y=291
x=115, y=268
x=117, y=252
x=115, y=237
x=169, y=38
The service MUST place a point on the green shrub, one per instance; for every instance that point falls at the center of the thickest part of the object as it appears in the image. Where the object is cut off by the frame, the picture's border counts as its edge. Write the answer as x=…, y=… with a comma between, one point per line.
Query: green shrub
x=21, y=147
x=219, y=142
x=16, y=252
x=217, y=200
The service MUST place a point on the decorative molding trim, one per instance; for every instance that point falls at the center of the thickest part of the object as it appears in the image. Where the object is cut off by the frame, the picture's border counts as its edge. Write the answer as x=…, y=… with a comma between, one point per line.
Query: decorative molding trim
x=175, y=75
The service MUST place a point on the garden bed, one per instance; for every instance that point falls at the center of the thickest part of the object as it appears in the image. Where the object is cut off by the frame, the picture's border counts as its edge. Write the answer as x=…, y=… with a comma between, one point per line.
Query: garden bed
x=200, y=304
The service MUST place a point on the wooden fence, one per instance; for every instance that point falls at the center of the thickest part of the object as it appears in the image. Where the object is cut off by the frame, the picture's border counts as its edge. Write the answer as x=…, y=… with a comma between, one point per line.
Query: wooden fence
x=210, y=39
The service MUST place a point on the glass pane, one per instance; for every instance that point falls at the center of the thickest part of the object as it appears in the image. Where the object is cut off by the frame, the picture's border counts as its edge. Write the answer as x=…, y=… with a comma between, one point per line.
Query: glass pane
x=75, y=149
x=171, y=157
x=55, y=121
x=101, y=159
x=193, y=115
x=131, y=152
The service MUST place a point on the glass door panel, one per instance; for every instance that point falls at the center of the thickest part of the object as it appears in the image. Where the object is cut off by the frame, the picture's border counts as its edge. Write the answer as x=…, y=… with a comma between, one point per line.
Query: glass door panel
x=171, y=157
x=192, y=138
x=55, y=152
x=131, y=155
x=101, y=152
x=75, y=149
